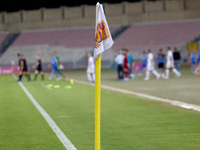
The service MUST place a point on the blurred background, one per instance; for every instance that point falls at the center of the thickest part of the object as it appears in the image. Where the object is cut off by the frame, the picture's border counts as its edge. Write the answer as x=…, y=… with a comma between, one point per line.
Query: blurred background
x=68, y=27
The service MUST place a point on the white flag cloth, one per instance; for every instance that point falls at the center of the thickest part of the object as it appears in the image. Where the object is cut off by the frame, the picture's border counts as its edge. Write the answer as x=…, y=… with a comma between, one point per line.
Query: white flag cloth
x=103, y=38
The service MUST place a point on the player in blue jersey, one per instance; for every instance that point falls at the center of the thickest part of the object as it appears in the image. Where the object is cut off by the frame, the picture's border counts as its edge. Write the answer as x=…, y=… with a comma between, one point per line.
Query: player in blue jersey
x=130, y=65
x=144, y=63
x=160, y=62
x=197, y=71
x=54, y=67
x=192, y=60
x=198, y=58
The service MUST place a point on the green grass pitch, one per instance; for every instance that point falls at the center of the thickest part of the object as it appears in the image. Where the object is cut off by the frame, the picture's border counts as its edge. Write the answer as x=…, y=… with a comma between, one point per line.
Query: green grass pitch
x=128, y=122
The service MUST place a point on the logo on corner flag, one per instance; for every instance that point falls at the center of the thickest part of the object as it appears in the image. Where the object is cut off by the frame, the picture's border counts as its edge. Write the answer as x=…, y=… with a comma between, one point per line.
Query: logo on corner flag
x=102, y=33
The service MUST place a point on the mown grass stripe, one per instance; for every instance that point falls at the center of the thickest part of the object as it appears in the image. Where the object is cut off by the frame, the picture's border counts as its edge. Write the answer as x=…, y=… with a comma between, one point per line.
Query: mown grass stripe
x=65, y=141
x=172, y=102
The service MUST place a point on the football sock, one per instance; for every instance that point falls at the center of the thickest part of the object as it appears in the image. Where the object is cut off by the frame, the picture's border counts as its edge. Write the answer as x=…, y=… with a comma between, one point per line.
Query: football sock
x=193, y=68
x=93, y=76
x=89, y=77
x=57, y=75
x=52, y=74
x=155, y=72
x=27, y=77
x=175, y=71
x=147, y=74
x=20, y=77
x=42, y=77
x=35, y=77
x=167, y=73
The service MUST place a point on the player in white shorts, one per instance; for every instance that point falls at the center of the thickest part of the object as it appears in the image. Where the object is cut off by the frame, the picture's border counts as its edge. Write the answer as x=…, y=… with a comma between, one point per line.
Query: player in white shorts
x=150, y=66
x=170, y=64
x=90, y=68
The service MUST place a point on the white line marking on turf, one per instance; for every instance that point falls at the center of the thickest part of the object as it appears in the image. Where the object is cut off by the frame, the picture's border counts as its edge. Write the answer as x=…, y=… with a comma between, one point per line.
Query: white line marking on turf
x=46, y=86
x=65, y=141
x=172, y=102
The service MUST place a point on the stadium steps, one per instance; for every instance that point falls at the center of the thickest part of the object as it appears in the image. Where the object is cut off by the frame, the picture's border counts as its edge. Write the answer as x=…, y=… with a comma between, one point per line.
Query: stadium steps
x=119, y=31
x=10, y=38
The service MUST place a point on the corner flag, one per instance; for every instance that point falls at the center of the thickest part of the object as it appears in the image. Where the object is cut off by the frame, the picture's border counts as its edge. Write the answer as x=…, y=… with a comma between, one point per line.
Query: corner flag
x=103, y=38
x=103, y=41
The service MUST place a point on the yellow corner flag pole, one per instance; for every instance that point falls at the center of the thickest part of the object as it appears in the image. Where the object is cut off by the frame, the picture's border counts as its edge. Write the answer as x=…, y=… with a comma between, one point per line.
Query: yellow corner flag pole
x=97, y=102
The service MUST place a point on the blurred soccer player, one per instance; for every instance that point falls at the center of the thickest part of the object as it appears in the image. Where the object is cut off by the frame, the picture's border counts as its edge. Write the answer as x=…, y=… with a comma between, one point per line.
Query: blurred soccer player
x=38, y=66
x=144, y=63
x=198, y=58
x=59, y=65
x=54, y=67
x=90, y=68
x=20, y=67
x=25, y=68
x=125, y=65
x=119, y=60
x=192, y=60
x=150, y=66
x=160, y=62
x=130, y=62
x=170, y=64
x=197, y=69
x=177, y=58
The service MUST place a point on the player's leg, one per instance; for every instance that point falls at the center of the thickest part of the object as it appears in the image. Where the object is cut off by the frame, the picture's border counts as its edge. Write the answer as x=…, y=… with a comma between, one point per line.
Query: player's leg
x=20, y=75
x=93, y=77
x=118, y=71
x=52, y=73
x=177, y=65
x=162, y=73
x=132, y=75
x=26, y=75
x=176, y=72
x=147, y=74
x=121, y=72
x=167, y=70
x=149, y=68
x=193, y=66
x=42, y=75
x=161, y=66
x=89, y=77
x=60, y=73
x=142, y=69
x=89, y=74
x=125, y=70
x=57, y=74
x=167, y=73
x=156, y=73
x=36, y=73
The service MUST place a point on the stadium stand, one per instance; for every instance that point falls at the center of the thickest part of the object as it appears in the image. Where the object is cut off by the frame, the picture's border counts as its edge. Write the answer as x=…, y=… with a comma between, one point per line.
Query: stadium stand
x=72, y=44
x=144, y=36
x=8, y=40
x=3, y=36
x=70, y=38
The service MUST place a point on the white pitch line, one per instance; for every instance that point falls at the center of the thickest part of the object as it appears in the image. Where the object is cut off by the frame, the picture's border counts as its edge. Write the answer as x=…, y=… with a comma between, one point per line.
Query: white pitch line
x=46, y=86
x=65, y=141
x=172, y=102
